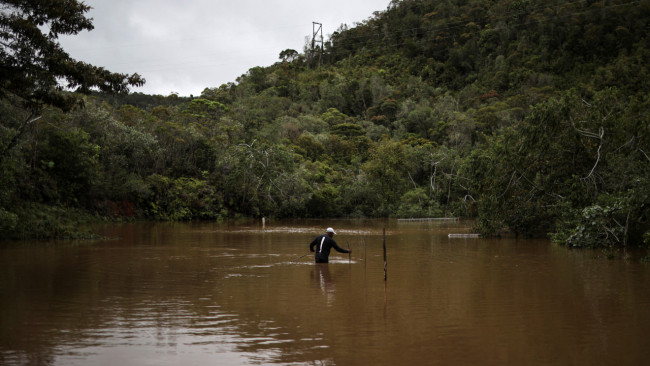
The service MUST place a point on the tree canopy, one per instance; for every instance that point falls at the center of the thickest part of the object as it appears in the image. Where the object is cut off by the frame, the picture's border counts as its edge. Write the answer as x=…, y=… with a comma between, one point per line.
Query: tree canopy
x=33, y=66
x=530, y=116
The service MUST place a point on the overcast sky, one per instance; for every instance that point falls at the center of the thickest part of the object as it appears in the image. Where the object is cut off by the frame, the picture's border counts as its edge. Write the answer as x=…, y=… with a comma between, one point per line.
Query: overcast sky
x=184, y=46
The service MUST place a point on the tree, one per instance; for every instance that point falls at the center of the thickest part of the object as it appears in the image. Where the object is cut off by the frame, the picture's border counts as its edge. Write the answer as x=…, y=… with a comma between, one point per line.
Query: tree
x=35, y=70
x=71, y=161
x=289, y=55
x=32, y=63
x=388, y=174
x=260, y=179
x=575, y=168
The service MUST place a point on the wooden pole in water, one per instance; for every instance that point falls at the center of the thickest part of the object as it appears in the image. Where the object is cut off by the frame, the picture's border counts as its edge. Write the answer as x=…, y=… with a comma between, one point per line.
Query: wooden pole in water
x=385, y=275
x=349, y=253
x=365, y=252
x=385, y=262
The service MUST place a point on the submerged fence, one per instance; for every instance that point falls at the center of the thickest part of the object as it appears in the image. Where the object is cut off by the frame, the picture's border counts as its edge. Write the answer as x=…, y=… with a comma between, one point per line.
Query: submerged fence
x=432, y=219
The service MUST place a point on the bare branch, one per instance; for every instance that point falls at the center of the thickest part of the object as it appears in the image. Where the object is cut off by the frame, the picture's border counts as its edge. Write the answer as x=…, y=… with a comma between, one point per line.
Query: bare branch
x=432, y=180
x=585, y=132
x=14, y=140
x=646, y=155
x=625, y=144
x=410, y=177
x=600, y=137
x=596, y=164
x=512, y=177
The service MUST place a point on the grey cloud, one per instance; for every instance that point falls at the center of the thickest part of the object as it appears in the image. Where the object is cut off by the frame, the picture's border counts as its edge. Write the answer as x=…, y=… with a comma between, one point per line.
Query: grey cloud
x=186, y=46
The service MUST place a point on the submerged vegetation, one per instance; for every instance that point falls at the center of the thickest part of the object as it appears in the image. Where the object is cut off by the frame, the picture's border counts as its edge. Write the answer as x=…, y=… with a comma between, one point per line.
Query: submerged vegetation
x=532, y=116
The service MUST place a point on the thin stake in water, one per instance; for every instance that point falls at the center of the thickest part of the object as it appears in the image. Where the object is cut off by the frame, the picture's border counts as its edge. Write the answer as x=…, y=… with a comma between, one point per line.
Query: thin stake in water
x=365, y=251
x=349, y=253
x=301, y=257
x=385, y=262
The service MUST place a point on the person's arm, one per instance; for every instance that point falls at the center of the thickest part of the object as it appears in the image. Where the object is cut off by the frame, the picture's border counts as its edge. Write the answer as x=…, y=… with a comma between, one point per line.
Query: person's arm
x=339, y=249
x=313, y=244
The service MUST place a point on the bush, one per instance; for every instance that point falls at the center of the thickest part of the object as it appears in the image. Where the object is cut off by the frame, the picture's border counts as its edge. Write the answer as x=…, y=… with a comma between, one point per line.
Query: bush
x=182, y=199
x=39, y=221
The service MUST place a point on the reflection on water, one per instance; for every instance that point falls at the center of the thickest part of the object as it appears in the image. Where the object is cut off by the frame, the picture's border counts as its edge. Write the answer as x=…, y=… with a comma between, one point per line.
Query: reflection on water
x=325, y=283
x=204, y=294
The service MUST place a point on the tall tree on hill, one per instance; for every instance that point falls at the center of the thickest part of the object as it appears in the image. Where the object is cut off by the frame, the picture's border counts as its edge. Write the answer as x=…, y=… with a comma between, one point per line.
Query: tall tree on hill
x=35, y=70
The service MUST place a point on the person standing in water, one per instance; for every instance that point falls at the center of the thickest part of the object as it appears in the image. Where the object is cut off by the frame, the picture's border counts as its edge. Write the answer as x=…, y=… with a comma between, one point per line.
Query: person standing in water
x=323, y=244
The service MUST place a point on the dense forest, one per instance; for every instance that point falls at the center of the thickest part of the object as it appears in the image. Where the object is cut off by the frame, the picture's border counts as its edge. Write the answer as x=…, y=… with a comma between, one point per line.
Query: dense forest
x=530, y=116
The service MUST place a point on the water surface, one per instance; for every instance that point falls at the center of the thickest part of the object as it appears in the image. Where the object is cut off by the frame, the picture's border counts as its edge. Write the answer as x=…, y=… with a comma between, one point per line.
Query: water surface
x=206, y=294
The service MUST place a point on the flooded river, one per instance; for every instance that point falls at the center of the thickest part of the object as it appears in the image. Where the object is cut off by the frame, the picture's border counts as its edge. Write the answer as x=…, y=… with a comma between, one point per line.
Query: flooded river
x=240, y=294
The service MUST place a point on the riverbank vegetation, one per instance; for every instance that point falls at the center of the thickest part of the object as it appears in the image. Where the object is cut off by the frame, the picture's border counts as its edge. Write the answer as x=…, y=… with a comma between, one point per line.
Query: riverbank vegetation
x=532, y=116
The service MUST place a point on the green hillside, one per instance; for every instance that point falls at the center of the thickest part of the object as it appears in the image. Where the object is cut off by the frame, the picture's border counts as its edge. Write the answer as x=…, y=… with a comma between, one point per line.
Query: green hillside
x=530, y=116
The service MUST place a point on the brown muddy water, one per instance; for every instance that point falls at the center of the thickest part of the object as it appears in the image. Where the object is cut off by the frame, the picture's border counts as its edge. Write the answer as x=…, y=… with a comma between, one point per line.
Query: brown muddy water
x=216, y=294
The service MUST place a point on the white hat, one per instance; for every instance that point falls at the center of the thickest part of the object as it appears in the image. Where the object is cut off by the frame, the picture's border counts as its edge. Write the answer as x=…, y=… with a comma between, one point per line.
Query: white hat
x=330, y=230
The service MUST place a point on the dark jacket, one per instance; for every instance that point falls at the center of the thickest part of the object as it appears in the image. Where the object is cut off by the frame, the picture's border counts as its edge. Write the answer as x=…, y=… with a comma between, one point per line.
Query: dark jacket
x=323, y=245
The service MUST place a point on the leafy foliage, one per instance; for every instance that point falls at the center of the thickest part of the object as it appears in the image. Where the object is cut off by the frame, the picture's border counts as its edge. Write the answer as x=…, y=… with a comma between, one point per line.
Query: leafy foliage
x=531, y=116
x=33, y=62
